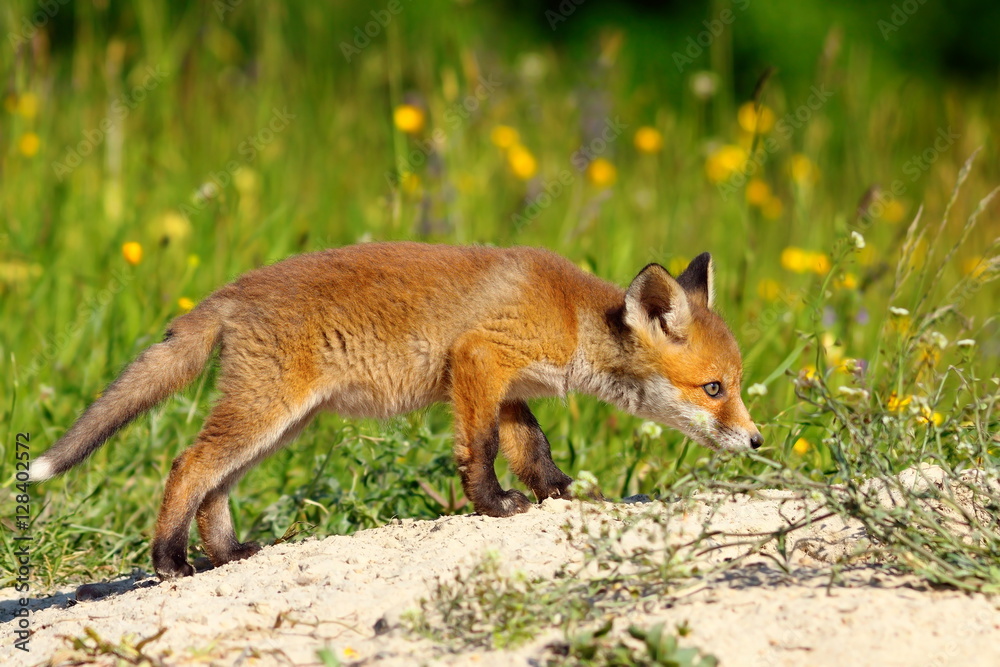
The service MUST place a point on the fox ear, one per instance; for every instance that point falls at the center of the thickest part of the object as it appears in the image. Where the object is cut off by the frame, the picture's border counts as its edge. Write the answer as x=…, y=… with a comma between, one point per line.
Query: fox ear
x=698, y=280
x=657, y=303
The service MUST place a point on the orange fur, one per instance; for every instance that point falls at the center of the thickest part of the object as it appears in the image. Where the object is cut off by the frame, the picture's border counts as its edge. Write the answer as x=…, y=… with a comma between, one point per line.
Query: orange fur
x=380, y=329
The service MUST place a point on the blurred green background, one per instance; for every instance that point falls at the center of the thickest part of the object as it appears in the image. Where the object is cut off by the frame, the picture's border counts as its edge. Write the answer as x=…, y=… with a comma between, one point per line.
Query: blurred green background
x=150, y=152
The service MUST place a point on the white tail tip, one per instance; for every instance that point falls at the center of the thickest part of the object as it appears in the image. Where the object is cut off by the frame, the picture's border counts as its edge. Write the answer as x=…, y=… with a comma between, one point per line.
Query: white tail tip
x=40, y=470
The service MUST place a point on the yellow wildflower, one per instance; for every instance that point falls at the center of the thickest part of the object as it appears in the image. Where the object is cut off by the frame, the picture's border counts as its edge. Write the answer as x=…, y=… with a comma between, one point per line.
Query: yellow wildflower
x=809, y=372
x=28, y=144
x=895, y=403
x=522, y=162
x=752, y=120
x=848, y=281
x=893, y=211
x=132, y=252
x=505, y=137
x=773, y=208
x=185, y=304
x=725, y=161
x=194, y=261
x=173, y=227
x=27, y=105
x=928, y=416
x=798, y=260
x=804, y=171
x=601, y=172
x=408, y=118
x=758, y=192
x=410, y=183
x=801, y=446
x=648, y=139
x=768, y=289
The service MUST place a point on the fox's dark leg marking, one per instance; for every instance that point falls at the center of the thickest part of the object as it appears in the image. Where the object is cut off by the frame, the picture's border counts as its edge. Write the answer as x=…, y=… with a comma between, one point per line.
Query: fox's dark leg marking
x=527, y=450
x=477, y=389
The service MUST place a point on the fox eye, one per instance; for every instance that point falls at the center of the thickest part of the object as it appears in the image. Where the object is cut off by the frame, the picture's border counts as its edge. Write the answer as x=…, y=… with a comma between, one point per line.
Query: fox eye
x=713, y=389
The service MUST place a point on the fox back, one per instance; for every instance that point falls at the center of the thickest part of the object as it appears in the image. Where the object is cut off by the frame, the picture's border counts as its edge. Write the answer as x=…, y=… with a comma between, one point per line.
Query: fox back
x=380, y=329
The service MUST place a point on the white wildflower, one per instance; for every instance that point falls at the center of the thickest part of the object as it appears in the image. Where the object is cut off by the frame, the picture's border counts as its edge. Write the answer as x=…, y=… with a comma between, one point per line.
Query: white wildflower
x=857, y=240
x=898, y=312
x=651, y=430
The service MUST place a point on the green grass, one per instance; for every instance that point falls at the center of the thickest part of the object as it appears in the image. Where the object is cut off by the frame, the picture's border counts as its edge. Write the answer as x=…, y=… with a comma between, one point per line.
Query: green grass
x=297, y=151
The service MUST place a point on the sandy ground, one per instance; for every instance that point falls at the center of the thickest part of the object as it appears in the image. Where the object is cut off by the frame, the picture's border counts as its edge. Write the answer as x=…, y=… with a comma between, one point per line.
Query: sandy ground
x=291, y=600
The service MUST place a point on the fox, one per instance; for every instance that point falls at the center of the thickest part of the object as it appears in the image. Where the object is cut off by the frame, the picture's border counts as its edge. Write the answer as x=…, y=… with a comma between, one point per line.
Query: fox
x=377, y=330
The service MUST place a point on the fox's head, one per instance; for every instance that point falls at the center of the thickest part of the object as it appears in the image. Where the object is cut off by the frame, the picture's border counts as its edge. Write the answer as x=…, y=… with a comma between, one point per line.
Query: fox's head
x=691, y=365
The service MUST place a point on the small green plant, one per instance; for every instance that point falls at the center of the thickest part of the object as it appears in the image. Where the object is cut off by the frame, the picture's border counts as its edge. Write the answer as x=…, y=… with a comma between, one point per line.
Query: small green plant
x=654, y=647
x=487, y=609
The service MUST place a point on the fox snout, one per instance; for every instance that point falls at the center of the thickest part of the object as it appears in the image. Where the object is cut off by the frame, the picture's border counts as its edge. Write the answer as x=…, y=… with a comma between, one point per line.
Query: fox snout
x=756, y=440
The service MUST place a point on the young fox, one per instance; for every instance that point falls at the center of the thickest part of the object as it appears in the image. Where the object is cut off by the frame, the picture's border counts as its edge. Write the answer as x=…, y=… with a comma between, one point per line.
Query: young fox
x=380, y=329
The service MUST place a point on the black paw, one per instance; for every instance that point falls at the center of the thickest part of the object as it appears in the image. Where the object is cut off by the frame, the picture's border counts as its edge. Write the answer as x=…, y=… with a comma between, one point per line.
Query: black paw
x=505, y=503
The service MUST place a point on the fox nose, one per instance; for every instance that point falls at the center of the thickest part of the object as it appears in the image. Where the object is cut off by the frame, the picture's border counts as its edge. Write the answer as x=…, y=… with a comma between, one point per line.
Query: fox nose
x=756, y=440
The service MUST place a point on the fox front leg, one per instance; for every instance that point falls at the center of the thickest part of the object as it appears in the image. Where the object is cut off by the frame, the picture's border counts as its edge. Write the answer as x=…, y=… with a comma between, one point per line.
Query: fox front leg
x=527, y=450
x=478, y=385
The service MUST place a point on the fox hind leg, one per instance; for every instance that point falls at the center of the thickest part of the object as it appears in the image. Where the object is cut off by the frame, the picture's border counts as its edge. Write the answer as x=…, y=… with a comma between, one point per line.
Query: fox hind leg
x=215, y=521
x=236, y=435
x=527, y=451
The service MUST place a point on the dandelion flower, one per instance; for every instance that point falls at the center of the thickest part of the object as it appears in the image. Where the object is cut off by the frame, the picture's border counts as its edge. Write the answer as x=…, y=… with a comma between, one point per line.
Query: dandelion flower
x=27, y=105
x=648, y=139
x=753, y=120
x=793, y=259
x=408, y=118
x=929, y=417
x=724, y=162
x=895, y=403
x=758, y=192
x=185, y=304
x=848, y=281
x=893, y=211
x=601, y=172
x=772, y=208
x=504, y=137
x=801, y=446
x=522, y=162
x=804, y=171
x=132, y=252
x=768, y=289
x=28, y=144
